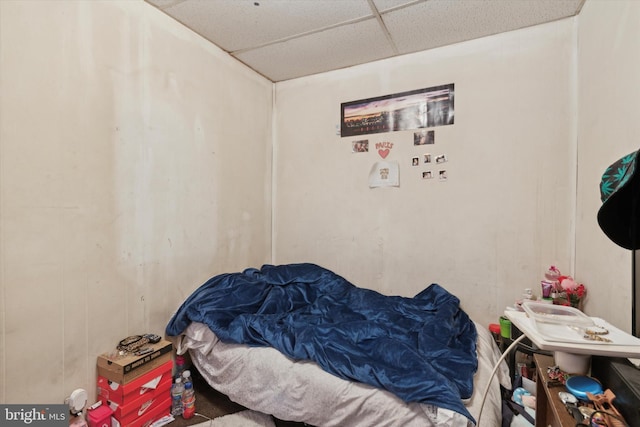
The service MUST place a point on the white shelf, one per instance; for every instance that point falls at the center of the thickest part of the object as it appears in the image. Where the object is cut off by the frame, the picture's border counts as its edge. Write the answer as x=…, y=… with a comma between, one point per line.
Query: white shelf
x=624, y=345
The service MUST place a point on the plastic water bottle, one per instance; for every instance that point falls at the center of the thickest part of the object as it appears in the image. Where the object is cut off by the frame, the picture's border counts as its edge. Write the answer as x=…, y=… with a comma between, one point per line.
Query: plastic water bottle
x=186, y=378
x=188, y=401
x=177, y=390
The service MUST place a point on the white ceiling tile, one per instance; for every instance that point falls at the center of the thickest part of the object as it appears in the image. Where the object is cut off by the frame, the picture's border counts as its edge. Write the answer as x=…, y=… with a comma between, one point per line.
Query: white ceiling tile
x=383, y=5
x=441, y=22
x=161, y=4
x=324, y=51
x=240, y=24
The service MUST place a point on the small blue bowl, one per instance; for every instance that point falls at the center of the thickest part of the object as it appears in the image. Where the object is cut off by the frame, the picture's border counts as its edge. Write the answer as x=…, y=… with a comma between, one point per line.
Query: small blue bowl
x=580, y=385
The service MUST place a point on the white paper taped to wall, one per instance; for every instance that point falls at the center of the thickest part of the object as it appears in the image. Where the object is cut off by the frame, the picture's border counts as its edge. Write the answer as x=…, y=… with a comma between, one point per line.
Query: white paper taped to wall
x=384, y=174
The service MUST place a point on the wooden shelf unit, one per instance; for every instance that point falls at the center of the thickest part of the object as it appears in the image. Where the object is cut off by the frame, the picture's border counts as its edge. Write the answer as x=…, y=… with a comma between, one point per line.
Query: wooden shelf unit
x=550, y=411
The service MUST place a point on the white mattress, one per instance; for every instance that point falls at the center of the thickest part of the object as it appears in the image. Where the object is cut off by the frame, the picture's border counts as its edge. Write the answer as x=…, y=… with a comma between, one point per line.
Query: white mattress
x=265, y=380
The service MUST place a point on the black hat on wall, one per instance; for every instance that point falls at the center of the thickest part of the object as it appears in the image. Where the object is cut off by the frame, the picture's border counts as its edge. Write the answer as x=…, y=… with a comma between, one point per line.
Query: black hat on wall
x=619, y=215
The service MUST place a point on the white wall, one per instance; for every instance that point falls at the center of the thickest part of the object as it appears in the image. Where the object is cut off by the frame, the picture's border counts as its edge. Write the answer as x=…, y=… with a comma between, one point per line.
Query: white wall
x=608, y=128
x=504, y=215
x=135, y=164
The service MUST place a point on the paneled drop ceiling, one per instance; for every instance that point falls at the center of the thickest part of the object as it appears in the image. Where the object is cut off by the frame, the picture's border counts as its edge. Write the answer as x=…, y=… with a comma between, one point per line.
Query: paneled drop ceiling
x=286, y=39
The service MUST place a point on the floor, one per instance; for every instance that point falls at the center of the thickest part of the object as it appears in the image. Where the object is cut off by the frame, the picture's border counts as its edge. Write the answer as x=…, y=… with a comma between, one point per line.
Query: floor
x=211, y=404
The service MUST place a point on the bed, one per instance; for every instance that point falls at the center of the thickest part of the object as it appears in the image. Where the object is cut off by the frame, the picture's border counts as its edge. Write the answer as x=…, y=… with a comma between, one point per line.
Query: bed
x=302, y=343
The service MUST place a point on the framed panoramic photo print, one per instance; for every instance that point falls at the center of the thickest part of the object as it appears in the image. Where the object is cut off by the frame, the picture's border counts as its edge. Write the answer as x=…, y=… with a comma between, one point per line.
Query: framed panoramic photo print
x=416, y=109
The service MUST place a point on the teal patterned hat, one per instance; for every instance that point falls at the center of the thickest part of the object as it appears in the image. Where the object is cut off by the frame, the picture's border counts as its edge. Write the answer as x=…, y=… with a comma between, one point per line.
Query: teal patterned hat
x=620, y=212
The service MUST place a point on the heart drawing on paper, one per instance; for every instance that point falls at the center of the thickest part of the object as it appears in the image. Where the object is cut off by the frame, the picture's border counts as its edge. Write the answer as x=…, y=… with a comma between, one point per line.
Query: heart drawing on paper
x=384, y=153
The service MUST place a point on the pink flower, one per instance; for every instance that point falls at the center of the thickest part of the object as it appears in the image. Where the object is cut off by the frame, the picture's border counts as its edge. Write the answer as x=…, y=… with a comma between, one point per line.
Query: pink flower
x=569, y=292
x=568, y=284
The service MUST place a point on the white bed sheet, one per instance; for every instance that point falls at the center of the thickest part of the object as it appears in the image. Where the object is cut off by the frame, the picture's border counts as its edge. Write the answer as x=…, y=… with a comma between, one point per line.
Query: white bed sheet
x=265, y=380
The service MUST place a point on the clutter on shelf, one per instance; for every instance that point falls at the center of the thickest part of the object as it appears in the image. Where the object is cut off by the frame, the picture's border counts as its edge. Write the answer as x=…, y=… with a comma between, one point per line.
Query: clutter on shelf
x=562, y=289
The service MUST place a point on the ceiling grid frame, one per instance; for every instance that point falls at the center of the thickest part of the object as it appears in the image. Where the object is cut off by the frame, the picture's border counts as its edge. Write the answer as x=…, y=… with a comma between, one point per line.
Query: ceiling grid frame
x=288, y=39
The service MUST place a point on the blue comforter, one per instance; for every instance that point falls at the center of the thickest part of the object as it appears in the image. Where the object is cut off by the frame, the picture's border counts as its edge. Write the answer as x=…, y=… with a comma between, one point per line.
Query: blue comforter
x=422, y=349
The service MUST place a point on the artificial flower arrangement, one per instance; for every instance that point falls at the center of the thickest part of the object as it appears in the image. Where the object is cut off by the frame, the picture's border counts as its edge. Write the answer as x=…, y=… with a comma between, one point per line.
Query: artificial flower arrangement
x=567, y=291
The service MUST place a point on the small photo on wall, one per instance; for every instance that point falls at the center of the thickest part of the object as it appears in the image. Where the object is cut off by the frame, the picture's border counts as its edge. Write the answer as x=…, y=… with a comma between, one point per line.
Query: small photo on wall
x=427, y=158
x=384, y=174
x=360, y=146
x=442, y=175
x=415, y=161
x=424, y=137
x=442, y=158
x=427, y=175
